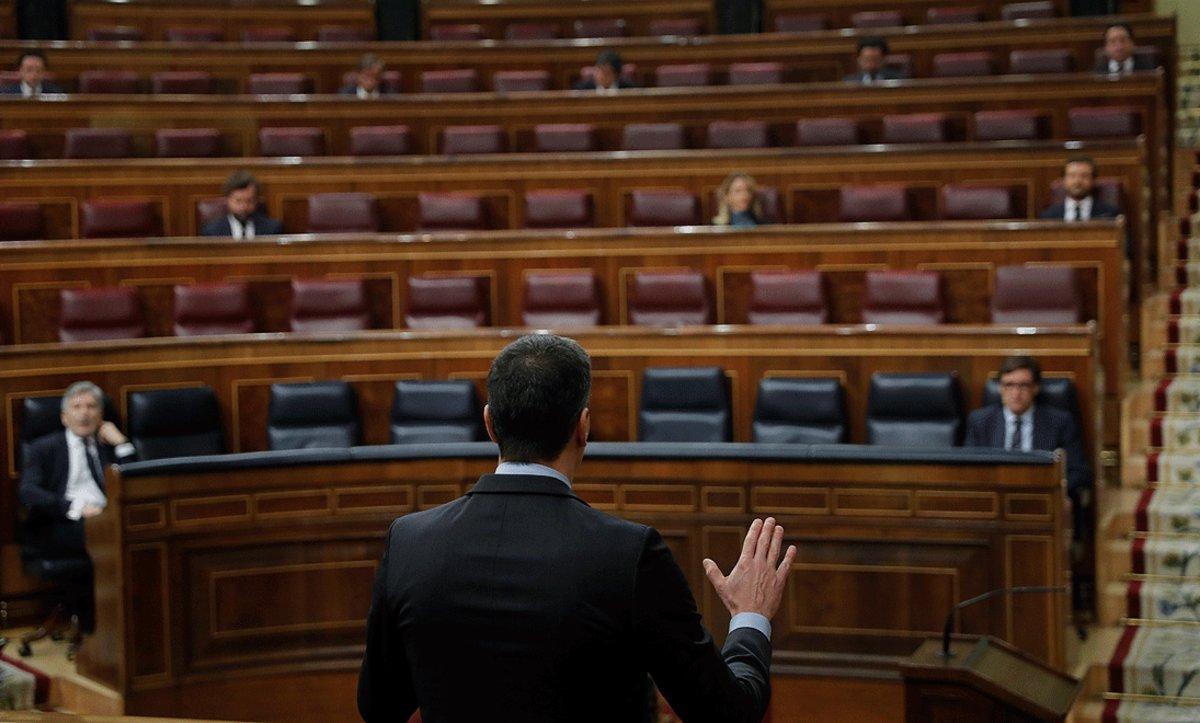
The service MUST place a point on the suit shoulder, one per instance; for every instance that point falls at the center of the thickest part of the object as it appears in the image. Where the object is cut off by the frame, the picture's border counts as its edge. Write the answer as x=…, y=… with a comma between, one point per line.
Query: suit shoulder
x=982, y=415
x=213, y=228
x=47, y=442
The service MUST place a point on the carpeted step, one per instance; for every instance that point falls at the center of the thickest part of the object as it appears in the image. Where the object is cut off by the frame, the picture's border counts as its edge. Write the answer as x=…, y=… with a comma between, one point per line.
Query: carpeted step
x=1158, y=660
x=1164, y=600
x=1174, y=510
x=1178, y=394
x=1183, y=330
x=1184, y=301
x=1137, y=711
x=1175, y=557
x=1173, y=468
x=1175, y=432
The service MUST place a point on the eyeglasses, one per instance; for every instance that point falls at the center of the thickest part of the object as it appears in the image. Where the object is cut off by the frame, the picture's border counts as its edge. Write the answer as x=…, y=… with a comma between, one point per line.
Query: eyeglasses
x=1013, y=386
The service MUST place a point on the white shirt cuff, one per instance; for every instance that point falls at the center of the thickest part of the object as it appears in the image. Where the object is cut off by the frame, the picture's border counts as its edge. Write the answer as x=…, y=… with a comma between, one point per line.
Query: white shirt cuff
x=75, y=511
x=751, y=620
x=124, y=449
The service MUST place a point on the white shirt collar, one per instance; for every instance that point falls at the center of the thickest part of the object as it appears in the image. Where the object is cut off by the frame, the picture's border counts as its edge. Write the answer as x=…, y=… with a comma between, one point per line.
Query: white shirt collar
x=364, y=94
x=1026, y=417
x=29, y=91
x=239, y=230
x=532, y=468
x=1082, y=207
x=74, y=440
x=1123, y=66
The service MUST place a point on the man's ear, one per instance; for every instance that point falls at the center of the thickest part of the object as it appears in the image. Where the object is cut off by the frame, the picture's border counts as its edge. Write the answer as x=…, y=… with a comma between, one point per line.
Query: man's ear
x=584, y=428
x=487, y=423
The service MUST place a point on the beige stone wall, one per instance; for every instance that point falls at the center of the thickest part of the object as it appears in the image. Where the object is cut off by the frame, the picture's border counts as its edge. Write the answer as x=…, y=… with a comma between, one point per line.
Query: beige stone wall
x=1188, y=14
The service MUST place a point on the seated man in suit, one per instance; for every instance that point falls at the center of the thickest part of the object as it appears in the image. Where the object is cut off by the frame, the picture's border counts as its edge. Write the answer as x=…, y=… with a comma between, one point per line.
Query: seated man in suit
x=370, y=73
x=62, y=478
x=1081, y=203
x=872, y=51
x=244, y=219
x=31, y=69
x=606, y=74
x=519, y=602
x=1118, y=52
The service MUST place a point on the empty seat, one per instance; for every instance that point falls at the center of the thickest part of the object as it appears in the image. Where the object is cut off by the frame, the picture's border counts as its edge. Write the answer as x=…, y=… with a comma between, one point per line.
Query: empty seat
x=345, y=34
x=278, y=84
x=187, y=143
x=687, y=404
x=109, y=81
x=914, y=128
x=963, y=65
x=14, y=145
x=268, y=34
x=512, y=81
x=20, y=221
x=857, y=204
x=914, y=410
x=556, y=299
x=599, y=28
x=446, y=302
x=975, y=203
x=205, y=309
x=738, y=134
x=165, y=423
x=99, y=314
x=800, y=23
x=380, y=140
x=183, y=82
x=903, y=297
x=827, y=132
x=532, y=31
x=791, y=410
x=457, y=140
x=119, y=218
x=652, y=137
x=117, y=33
x=426, y=412
x=953, y=15
x=322, y=305
x=98, y=143
x=558, y=208
x=276, y=142
x=663, y=207
x=1103, y=122
x=1057, y=392
x=343, y=213
x=683, y=27
x=195, y=34
x=755, y=73
x=312, y=415
x=1041, y=60
x=450, y=81
x=1040, y=9
x=451, y=211
x=877, y=19
x=787, y=297
x=1008, y=125
x=675, y=297
x=456, y=31
x=565, y=137
x=900, y=64
x=689, y=75
x=1034, y=295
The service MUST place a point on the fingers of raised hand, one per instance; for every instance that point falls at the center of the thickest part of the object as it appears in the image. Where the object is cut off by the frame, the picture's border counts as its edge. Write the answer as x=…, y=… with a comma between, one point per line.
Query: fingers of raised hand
x=714, y=573
x=751, y=543
x=765, y=534
x=785, y=567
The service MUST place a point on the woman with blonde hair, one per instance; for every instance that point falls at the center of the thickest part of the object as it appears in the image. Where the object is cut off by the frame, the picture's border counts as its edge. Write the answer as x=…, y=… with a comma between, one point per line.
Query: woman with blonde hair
x=738, y=202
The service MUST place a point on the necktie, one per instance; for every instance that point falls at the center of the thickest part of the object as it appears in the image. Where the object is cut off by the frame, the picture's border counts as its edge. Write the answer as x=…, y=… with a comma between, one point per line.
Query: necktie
x=1015, y=442
x=93, y=458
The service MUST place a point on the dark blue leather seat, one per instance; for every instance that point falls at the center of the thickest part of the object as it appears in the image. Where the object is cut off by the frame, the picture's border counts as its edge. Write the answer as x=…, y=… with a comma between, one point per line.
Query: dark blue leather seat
x=312, y=415
x=799, y=411
x=914, y=410
x=175, y=423
x=686, y=404
x=436, y=411
x=1056, y=392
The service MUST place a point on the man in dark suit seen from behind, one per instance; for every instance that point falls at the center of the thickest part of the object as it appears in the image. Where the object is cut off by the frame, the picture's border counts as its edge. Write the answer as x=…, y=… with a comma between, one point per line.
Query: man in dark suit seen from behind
x=1119, y=58
x=243, y=218
x=872, y=52
x=606, y=74
x=1081, y=202
x=369, y=76
x=519, y=602
x=31, y=73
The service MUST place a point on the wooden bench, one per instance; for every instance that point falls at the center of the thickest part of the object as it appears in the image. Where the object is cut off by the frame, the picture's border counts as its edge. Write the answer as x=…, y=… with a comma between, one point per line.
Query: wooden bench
x=493, y=18
x=839, y=12
x=153, y=18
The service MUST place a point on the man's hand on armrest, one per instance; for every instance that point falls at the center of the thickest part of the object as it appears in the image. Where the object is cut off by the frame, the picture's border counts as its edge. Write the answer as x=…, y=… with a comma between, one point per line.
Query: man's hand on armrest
x=756, y=583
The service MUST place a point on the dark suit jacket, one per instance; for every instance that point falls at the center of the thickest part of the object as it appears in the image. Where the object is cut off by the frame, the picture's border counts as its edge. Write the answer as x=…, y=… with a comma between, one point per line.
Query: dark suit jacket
x=590, y=84
x=1139, y=63
x=885, y=73
x=264, y=225
x=1052, y=429
x=15, y=89
x=519, y=602
x=1100, y=209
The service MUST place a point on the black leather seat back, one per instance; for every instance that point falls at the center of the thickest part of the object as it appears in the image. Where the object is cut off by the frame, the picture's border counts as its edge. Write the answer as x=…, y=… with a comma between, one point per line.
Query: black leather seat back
x=175, y=423
x=436, y=411
x=685, y=404
x=1055, y=392
x=914, y=410
x=312, y=415
x=799, y=411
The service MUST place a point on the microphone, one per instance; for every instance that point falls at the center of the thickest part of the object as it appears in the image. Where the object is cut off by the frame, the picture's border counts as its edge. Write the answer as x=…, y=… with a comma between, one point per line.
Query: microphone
x=948, y=628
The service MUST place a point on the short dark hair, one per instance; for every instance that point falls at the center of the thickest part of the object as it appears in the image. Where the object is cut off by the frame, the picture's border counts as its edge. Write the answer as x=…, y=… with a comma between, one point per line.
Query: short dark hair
x=368, y=61
x=873, y=41
x=611, y=58
x=536, y=389
x=31, y=54
x=239, y=180
x=1020, y=361
x=1124, y=26
x=1088, y=160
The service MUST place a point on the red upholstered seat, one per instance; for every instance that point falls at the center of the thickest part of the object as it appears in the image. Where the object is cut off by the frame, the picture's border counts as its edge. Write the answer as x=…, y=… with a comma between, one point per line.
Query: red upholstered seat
x=873, y=203
x=458, y=140
x=652, y=137
x=963, y=65
x=1108, y=190
x=532, y=31
x=279, y=84
x=600, y=28
x=1035, y=295
x=195, y=34
x=181, y=81
x=116, y=33
x=755, y=73
x=99, y=314
x=738, y=134
x=275, y=142
x=446, y=302
x=456, y=31
x=663, y=207
x=800, y=23
x=689, y=75
x=380, y=140
x=451, y=211
x=901, y=63
x=268, y=34
x=561, y=298
x=565, y=137
x=827, y=132
x=877, y=19
x=671, y=297
x=903, y=297
x=683, y=27
x=345, y=34
x=787, y=297
x=204, y=309
x=14, y=145
x=119, y=218
x=20, y=221
x=1008, y=125
x=1028, y=10
x=952, y=15
x=558, y=208
x=109, y=82
x=1103, y=122
x=969, y=203
x=209, y=208
x=914, y=128
x=98, y=143
x=322, y=305
x=464, y=80
x=343, y=213
x=513, y=81
x=1041, y=60
x=187, y=143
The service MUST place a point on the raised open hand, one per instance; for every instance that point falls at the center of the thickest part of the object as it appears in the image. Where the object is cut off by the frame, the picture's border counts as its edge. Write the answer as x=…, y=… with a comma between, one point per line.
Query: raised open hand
x=755, y=585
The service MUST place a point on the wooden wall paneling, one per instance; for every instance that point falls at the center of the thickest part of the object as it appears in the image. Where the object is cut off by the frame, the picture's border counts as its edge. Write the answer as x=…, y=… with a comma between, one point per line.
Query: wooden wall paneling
x=495, y=17
x=913, y=11
x=154, y=17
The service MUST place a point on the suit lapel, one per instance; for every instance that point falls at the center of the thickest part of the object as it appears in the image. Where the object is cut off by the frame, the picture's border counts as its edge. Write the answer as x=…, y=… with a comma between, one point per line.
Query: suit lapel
x=998, y=427
x=1043, y=435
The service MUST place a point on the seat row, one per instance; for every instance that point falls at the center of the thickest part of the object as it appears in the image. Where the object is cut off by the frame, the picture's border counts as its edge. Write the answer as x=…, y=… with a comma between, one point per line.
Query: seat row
x=948, y=15
x=1032, y=295
x=248, y=34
